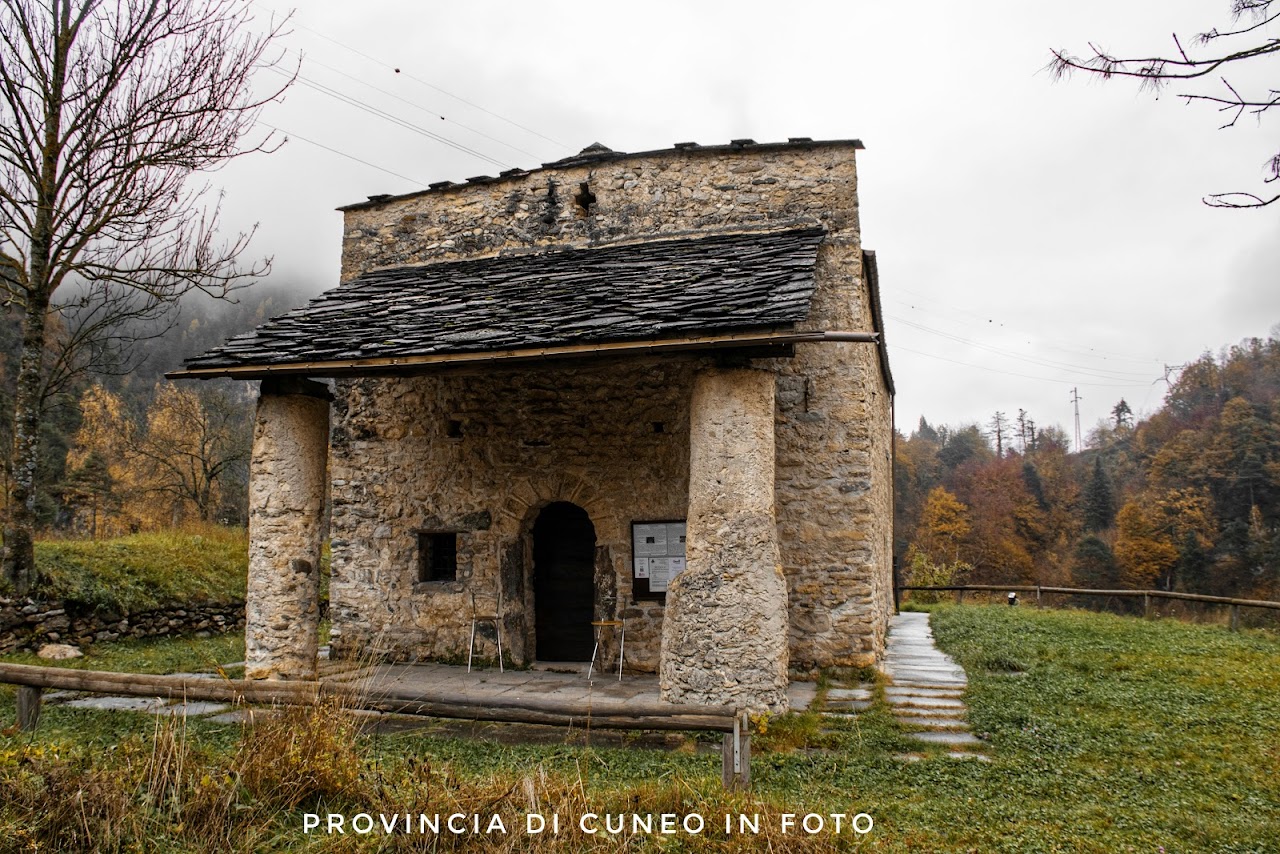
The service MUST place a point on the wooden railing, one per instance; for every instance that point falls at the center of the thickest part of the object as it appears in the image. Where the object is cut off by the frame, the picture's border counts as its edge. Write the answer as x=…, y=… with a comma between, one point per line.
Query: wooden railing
x=32, y=680
x=1147, y=595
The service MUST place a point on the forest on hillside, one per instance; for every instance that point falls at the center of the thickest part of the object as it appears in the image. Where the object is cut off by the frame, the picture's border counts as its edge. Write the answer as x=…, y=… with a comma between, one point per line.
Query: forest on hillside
x=123, y=449
x=1185, y=499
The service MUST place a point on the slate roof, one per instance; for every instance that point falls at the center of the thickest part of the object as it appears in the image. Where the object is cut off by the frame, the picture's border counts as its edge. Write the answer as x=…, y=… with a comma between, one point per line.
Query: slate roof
x=667, y=289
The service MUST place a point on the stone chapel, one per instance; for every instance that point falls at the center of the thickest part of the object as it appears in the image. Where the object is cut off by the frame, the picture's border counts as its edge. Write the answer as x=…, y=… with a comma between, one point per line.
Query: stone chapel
x=649, y=388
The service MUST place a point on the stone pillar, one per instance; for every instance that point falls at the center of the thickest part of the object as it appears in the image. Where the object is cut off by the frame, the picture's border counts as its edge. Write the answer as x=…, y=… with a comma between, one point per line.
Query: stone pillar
x=724, y=633
x=286, y=506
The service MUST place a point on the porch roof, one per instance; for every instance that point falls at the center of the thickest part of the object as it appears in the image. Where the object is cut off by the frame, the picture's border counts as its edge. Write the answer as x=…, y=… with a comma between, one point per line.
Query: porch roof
x=730, y=290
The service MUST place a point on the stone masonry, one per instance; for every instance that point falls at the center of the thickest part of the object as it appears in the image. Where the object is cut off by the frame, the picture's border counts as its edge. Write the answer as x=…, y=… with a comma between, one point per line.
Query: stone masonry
x=657, y=338
x=730, y=603
x=481, y=452
x=286, y=506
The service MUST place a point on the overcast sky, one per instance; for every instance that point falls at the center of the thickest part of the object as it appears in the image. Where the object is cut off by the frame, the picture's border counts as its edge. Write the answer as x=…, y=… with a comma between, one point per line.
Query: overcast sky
x=1032, y=236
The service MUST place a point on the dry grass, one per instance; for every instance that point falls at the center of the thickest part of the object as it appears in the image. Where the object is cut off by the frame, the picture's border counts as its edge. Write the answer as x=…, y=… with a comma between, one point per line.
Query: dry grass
x=162, y=794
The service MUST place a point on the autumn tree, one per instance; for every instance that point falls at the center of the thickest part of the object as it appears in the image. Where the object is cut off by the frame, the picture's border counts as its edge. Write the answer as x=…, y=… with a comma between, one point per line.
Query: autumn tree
x=1155, y=532
x=97, y=461
x=1199, y=66
x=193, y=443
x=943, y=526
x=107, y=111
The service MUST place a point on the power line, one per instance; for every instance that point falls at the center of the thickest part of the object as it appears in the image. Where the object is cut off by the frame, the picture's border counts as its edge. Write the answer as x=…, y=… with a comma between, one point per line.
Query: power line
x=1012, y=373
x=426, y=83
x=289, y=135
x=418, y=107
x=986, y=322
x=394, y=119
x=1101, y=373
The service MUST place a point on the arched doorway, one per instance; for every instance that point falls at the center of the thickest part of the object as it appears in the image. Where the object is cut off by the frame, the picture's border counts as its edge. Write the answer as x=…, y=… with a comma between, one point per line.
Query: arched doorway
x=564, y=552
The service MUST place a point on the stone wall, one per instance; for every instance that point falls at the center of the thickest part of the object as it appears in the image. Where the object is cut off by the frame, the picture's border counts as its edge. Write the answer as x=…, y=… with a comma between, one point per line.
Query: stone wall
x=28, y=624
x=580, y=433
x=583, y=432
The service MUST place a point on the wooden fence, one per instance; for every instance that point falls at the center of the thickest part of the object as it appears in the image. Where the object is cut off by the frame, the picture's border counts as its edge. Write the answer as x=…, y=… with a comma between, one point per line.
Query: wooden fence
x=32, y=680
x=1147, y=595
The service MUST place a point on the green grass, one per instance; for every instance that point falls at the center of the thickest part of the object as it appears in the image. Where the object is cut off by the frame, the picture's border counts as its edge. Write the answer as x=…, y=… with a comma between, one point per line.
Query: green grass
x=145, y=571
x=1105, y=734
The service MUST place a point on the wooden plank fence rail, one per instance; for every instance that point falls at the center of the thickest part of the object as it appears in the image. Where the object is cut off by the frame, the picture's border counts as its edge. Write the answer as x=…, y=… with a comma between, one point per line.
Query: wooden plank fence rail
x=1080, y=591
x=32, y=680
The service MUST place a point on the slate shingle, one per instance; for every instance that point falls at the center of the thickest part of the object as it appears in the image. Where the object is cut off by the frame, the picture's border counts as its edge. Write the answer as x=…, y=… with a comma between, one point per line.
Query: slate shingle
x=653, y=290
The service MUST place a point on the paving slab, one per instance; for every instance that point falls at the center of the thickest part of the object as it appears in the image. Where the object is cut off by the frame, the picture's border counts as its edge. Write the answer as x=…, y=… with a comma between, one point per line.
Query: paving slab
x=915, y=691
x=849, y=694
x=118, y=704
x=927, y=702
x=939, y=737
x=800, y=695
x=191, y=709
x=847, y=705
x=932, y=722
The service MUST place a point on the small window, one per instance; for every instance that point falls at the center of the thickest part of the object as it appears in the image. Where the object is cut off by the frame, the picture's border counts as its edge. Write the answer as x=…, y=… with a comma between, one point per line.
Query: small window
x=437, y=557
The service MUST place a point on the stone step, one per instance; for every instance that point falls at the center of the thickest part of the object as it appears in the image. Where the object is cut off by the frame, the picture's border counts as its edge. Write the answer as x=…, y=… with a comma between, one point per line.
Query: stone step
x=847, y=705
x=937, y=722
x=948, y=738
x=849, y=694
x=928, y=703
x=899, y=691
x=958, y=712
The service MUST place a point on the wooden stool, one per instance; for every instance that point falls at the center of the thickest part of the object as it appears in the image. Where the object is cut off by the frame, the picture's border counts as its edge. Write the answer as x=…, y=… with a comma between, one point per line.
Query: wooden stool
x=599, y=625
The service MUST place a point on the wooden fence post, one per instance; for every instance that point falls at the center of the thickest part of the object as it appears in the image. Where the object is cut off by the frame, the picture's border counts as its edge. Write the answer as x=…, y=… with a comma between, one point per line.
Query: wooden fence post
x=1146, y=605
x=1037, y=595
x=959, y=597
x=735, y=755
x=1235, y=618
x=29, y=700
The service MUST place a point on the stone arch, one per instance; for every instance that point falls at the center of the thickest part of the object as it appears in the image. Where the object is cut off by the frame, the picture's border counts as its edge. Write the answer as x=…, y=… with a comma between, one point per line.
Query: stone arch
x=526, y=499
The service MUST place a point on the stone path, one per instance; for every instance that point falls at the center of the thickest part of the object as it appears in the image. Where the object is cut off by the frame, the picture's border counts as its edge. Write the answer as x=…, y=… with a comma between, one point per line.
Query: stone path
x=925, y=687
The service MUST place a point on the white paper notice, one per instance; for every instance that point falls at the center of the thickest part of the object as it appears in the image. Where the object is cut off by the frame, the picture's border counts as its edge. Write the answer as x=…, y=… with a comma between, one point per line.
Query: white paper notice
x=642, y=567
x=659, y=573
x=650, y=540
x=675, y=539
x=675, y=566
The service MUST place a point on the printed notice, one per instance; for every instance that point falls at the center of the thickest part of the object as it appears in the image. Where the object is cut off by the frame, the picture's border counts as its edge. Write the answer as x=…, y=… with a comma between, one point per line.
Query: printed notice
x=650, y=540
x=675, y=539
x=659, y=574
x=642, y=567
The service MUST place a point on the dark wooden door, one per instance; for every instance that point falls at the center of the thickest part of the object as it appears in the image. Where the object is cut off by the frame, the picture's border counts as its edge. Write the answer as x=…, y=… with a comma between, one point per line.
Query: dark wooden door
x=564, y=553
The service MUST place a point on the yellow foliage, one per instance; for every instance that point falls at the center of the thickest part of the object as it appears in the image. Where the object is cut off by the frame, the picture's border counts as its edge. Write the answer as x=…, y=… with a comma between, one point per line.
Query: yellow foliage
x=944, y=523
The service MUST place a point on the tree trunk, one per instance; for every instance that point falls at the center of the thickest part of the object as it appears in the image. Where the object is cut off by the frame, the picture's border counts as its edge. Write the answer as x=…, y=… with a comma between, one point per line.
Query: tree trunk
x=19, y=534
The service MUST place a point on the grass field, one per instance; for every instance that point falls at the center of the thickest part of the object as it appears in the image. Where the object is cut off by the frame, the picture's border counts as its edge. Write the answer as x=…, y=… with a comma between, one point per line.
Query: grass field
x=1105, y=734
x=145, y=571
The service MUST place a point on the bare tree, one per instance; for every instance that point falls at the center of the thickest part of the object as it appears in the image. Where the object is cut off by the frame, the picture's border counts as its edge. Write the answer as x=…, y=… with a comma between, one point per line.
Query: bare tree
x=193, y=443
x=1208, y=56
x=108, y=109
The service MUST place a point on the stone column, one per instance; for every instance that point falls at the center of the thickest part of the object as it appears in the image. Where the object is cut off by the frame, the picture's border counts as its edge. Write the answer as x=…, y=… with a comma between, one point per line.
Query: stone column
x=724, y=633
x=286, y=506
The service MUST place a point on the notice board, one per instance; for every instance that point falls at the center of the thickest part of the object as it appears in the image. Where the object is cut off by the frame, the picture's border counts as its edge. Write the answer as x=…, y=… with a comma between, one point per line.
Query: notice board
x=657, y=556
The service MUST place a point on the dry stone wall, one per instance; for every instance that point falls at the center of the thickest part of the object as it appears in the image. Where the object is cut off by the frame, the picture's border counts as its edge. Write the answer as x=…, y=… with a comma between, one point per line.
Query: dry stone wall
x=584, y=432
x=28, y=624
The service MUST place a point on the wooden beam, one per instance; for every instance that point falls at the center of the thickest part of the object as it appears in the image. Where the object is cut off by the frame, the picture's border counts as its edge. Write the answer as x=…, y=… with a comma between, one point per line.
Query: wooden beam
x=392, y=365
x=541, y=710
x=29, y=699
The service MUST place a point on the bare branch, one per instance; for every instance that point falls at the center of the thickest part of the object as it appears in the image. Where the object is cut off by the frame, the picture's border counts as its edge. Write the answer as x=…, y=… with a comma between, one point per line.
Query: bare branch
x=1155, y=72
